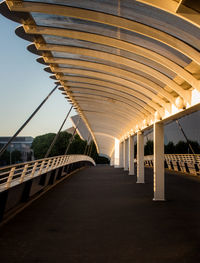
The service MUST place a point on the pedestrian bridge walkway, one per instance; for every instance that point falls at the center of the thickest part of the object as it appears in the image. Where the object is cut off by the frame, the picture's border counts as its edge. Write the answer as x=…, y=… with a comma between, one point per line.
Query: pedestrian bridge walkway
x=100, y=214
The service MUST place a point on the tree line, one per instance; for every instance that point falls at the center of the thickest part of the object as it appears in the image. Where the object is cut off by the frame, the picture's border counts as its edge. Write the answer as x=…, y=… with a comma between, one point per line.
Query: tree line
x=42, y=143
x=179, y=148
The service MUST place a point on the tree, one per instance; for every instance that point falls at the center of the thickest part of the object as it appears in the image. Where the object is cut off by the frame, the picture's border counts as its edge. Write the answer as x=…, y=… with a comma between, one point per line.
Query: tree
x=148, y=148
x=135, y=149
x=77, y=146
x=170, y=148
x=181, y=147
x=41, y=144
x=101, y=160
x=61, y=144
x=195, y=146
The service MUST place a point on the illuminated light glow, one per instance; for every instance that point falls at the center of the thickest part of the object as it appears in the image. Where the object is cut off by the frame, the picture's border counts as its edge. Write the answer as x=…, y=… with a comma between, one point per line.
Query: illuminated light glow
x=132, y=132
x=195, y=98
x=179, y=103
x=174, y=109
x=167, y=113
x=144, y=123
x=137, y=128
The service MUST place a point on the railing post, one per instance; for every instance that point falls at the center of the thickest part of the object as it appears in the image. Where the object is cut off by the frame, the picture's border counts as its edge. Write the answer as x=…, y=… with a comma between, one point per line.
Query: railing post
x=125, y=155
x=131, y=155
x=60, y=161
x=178, y=166
x=47, y=167
x=41, y=167
x=53, y=162
x=140, y=157
x=158, y=170
x=64, y=160
x=121, y=155
x=23, y=173
x=57, y=161
x=10, y=177
x=33, y=170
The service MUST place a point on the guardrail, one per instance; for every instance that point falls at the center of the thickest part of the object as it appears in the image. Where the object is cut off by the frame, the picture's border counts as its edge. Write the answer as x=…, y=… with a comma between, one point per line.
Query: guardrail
x=18, y=173
x=187, y=163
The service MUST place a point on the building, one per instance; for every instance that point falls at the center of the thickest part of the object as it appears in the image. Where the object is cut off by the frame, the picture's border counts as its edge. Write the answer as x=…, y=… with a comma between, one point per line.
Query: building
x=22, y=144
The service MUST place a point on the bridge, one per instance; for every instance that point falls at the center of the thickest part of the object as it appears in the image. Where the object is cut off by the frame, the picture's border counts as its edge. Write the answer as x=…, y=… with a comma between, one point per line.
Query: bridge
x=101, y=214
x=127, y=67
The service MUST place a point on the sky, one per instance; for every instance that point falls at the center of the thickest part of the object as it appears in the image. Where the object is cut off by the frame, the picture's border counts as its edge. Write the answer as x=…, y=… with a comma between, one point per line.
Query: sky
x=23, y=86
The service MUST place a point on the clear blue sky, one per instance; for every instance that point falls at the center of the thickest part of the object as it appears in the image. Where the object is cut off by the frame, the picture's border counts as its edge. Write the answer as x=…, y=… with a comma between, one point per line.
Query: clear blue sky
x=23, y=85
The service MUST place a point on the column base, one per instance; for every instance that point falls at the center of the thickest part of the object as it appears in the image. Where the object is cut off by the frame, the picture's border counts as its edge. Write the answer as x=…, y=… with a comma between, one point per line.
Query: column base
x=159, y=199
x=131, y=173
x=138, y=182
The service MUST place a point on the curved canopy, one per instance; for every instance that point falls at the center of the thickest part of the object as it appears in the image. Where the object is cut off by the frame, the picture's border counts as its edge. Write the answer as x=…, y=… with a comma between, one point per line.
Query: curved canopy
x=121, y=63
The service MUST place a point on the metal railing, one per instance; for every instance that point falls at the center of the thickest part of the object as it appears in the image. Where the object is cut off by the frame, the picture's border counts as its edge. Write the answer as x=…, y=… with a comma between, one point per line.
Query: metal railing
x=18, y=173
x=187, y=163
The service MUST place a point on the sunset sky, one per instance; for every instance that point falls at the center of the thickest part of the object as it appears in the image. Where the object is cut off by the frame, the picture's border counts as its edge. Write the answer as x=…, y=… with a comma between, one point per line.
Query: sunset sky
x=23, y=85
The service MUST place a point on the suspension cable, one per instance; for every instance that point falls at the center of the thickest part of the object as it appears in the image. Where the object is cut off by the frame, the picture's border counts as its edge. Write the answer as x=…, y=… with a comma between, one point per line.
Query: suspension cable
x=56, y=137
x=91, y=147
x=86, y=147
x=26, y=122
x=188, y=142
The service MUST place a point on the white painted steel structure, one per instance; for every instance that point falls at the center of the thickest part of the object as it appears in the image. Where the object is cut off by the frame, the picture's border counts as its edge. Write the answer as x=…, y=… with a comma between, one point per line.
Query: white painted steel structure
x=18, y=173
x=126, y=66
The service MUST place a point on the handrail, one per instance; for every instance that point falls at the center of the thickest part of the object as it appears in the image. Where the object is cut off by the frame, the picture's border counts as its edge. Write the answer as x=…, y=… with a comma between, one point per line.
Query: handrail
x=187, y=163
x=18, y=173
x=19, y=164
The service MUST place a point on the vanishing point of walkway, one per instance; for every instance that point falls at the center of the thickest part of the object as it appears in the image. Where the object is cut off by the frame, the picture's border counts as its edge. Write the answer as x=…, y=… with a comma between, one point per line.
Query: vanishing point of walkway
x=100, y=215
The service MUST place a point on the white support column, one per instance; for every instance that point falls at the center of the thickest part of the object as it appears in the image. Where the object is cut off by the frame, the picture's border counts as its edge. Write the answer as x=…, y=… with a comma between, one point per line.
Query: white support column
x=131, y=155
x=112, y=159
x=140, y=157
x=158, y=168
x=125, y=155
x=127, y=150
x=121, y=155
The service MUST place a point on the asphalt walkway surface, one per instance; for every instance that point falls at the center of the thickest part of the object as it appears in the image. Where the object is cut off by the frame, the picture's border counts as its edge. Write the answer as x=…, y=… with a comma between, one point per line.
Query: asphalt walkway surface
x=100, y=215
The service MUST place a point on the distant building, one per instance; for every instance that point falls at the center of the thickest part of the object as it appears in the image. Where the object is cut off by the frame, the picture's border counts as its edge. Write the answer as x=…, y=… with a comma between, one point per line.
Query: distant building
x=22, y=144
